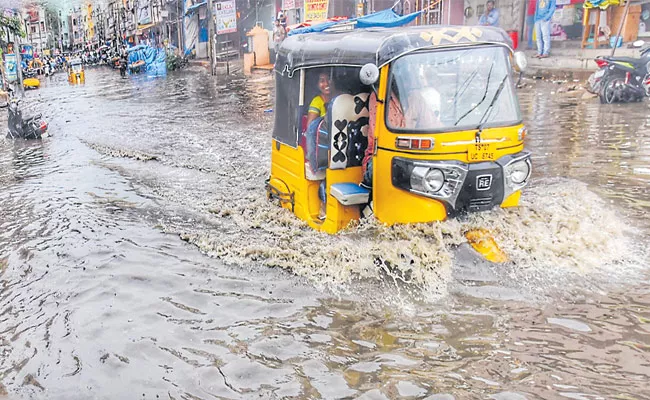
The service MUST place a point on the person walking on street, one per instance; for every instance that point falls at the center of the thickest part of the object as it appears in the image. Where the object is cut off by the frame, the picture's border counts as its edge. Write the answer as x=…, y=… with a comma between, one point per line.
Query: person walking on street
x=530, y=22
x=491, y=16
x=543, y=15
x=279, y=34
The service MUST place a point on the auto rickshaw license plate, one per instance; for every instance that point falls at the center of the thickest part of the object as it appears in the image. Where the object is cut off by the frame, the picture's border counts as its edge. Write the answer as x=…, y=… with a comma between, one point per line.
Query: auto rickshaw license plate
x=481, y=152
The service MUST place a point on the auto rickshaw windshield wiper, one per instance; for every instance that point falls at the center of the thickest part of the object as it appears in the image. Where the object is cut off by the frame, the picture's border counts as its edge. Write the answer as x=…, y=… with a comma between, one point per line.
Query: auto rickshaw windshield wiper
x=484, y=118
x=487, y=87
x=465, y=85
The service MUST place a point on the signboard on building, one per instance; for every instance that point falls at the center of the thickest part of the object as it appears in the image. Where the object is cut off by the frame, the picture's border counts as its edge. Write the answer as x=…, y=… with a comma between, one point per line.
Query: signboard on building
x=226, y=15
x=316, y=10
x=144, y=13
x=359, y=9
x=33, y=15
x=11, y=68
x=288, y=4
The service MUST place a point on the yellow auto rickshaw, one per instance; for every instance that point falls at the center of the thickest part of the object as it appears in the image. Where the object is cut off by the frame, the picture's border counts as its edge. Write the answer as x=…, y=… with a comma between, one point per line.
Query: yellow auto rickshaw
x=420, y=124
x=31, y=83
x=76, y=73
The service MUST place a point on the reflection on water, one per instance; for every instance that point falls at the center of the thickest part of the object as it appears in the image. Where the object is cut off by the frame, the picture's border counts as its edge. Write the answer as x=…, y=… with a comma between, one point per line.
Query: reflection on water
x=98, y=302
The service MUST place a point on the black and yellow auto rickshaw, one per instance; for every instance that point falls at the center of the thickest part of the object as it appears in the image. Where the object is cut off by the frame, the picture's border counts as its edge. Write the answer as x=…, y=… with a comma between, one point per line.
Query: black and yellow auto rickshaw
x=76, y=73
x=436, y=105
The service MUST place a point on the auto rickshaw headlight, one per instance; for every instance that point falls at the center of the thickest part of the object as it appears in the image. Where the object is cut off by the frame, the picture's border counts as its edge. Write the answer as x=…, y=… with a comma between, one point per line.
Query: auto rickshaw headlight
x=433, y=180
x=427, y=180
x=519, y=171
x=441, y=180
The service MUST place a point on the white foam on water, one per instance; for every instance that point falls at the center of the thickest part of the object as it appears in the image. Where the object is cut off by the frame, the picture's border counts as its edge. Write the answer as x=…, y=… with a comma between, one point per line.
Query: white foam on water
x=561, y=228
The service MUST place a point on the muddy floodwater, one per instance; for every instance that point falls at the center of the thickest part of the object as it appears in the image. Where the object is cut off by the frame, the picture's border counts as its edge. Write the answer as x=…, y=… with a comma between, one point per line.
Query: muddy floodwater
x=140, y=259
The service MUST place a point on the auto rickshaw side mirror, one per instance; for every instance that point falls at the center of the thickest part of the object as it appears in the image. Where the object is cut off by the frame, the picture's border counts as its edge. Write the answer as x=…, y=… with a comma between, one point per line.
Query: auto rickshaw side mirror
x=369, y=74
x=521, y=62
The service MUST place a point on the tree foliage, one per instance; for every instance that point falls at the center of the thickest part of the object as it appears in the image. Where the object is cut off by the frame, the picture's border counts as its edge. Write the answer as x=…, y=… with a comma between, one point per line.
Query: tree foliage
x=11, y=25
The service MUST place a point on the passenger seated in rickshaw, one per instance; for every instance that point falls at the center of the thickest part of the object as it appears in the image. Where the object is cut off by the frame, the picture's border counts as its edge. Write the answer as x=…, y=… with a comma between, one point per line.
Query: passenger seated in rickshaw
x=340, y=95
x=318, y=105
x=316, y=112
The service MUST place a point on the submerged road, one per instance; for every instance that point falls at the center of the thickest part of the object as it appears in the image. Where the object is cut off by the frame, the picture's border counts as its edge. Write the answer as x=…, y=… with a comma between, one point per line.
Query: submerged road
x=139, y=258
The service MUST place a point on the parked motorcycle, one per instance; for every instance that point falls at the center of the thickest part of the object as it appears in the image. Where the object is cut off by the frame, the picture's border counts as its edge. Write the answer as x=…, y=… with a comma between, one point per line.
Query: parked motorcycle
x=21, y=127
x=622, y=79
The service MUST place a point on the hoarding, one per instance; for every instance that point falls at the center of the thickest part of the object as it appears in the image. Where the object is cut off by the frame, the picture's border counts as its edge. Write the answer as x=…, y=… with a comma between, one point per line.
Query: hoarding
x=11, y=68
x=226, y=15
x=316, y=10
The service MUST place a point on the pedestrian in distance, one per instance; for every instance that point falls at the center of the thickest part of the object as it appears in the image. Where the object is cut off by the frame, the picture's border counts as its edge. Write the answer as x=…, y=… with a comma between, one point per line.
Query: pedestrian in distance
x=491, y=16
x=530, y=22
x=543, y=15
x=279, y=34
x=282, y=17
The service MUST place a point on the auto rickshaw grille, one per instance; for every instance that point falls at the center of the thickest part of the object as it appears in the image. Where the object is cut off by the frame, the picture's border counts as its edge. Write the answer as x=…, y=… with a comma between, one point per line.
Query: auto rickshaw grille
x=480, y=204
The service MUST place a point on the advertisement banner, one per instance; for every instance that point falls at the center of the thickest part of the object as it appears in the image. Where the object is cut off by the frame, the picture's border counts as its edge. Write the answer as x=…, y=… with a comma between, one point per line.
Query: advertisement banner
x=288, y=4
x=11, y=68
x=316, y=10
x=226, y=14
x=190, y=29
x=144, y=14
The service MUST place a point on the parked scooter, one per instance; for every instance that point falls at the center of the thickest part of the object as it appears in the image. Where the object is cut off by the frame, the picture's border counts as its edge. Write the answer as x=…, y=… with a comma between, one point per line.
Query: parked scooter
x=20, y=127
x=622, y=79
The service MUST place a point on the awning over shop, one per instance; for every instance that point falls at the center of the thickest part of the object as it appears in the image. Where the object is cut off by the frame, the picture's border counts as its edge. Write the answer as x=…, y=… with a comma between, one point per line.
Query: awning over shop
x=194, y=8
x=145, y=26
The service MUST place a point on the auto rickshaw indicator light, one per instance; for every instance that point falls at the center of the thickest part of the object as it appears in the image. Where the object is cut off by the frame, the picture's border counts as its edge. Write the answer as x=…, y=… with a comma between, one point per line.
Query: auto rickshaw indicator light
x=522, y=133
x=414, y=143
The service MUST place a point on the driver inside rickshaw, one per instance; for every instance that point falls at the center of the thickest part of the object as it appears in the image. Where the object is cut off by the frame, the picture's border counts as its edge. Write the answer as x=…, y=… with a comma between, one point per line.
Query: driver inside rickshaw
x=421, y=100
x=416, y=106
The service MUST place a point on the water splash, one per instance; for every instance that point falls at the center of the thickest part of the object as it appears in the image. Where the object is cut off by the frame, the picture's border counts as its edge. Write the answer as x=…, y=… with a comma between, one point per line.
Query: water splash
x=560, y=229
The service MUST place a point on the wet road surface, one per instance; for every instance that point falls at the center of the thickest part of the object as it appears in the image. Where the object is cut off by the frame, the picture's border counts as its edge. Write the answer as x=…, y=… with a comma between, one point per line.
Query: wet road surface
x=139, y=258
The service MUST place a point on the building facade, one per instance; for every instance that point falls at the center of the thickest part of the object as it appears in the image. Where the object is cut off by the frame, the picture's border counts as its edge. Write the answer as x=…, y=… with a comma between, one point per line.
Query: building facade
x=35, y=27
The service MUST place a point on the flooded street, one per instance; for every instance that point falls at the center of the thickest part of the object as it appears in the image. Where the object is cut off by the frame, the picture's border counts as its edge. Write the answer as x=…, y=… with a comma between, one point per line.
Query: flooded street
x=140, y=258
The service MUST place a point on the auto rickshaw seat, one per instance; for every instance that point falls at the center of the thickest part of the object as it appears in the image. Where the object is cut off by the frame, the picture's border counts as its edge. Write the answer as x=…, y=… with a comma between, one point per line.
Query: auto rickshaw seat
x=348, y=116
x=31, y=117
x=349, y=194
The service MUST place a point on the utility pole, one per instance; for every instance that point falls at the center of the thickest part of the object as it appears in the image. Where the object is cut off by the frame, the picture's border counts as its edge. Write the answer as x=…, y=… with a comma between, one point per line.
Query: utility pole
x=620, y=27
x=179, y=25
x=211, y=37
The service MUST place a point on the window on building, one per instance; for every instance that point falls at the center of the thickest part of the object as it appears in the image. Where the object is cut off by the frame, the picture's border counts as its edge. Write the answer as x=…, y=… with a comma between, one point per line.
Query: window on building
x=32, y=28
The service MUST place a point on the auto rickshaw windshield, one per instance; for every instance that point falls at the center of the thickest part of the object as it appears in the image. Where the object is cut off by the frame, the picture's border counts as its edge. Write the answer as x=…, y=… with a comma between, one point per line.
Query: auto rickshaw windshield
x=76, y=67
x=452, y=90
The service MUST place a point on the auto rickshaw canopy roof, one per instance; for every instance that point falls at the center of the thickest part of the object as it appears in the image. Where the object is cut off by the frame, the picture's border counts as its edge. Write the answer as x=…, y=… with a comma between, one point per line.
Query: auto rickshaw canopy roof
x=378, y=46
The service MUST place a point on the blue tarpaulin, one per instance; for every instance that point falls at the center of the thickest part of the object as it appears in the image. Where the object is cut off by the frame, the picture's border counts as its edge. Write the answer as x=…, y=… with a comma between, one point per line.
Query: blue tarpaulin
x=195, y=7
x=385, y=19
x=154, y=59
x=382, y=19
